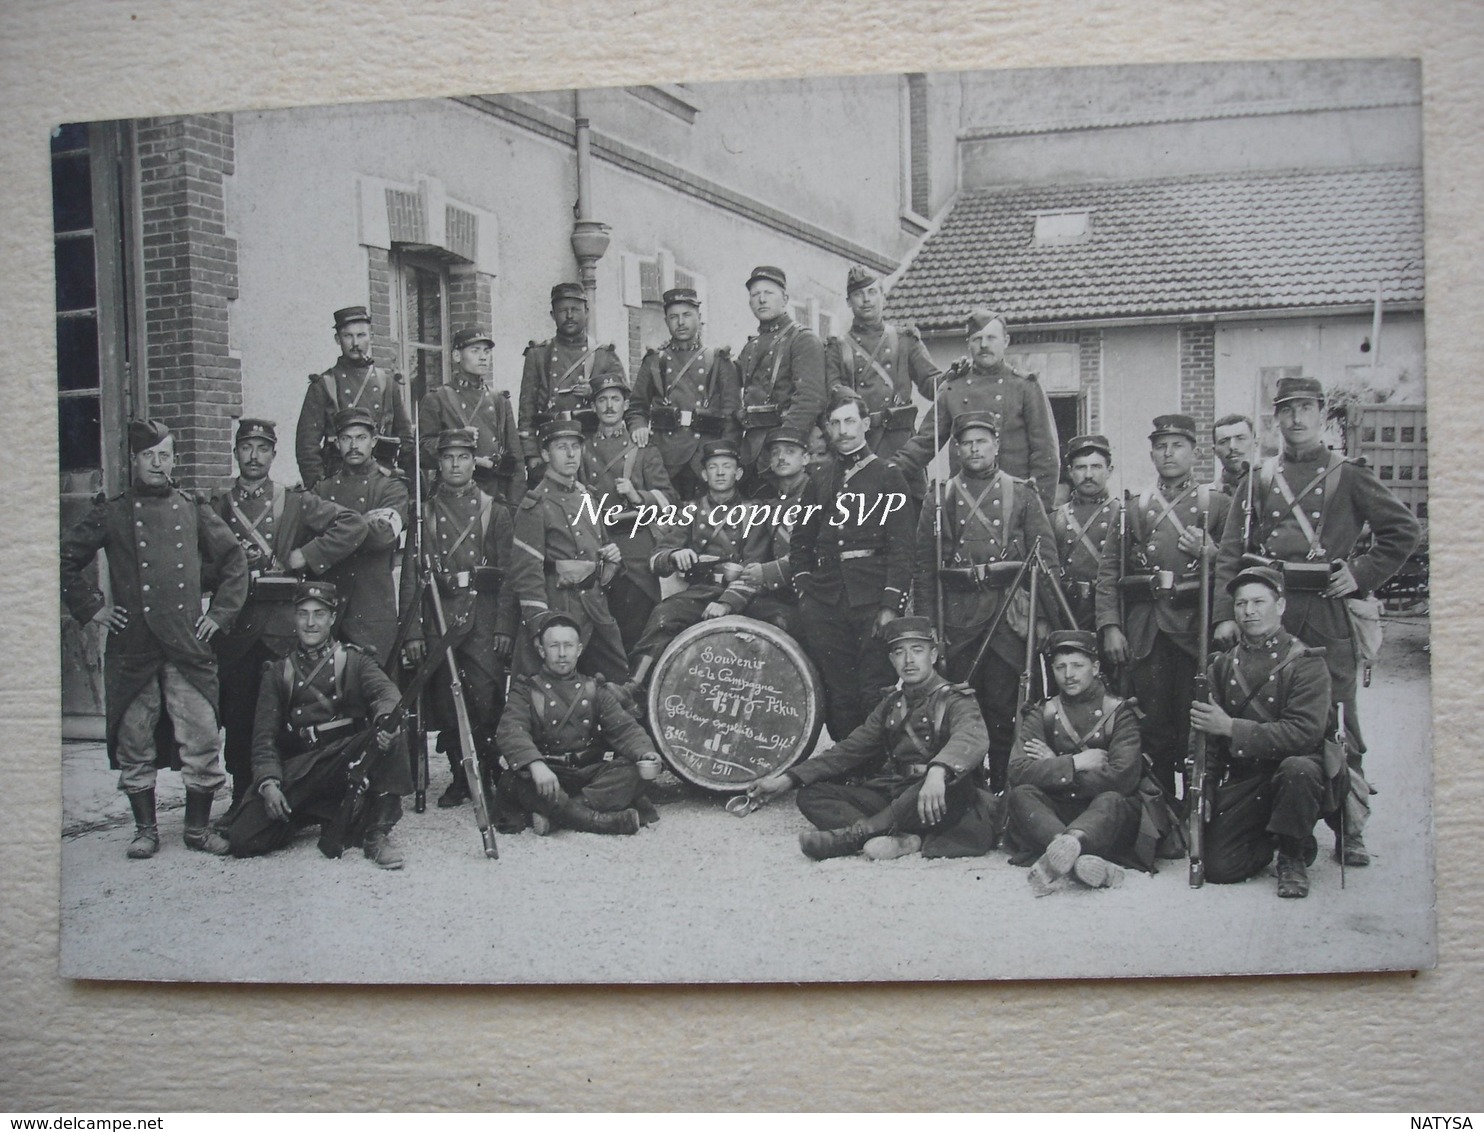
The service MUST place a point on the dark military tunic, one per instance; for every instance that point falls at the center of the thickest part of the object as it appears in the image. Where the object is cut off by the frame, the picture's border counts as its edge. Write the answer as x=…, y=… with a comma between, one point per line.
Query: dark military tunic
x=1081, y=529
x=569, y=723
x=159, y=545
x=783, y=365
x=557, y=565
x=850, y=561
x=692, y=380
x=1028, y=444
x=884, y=363
x=344, y=386
x=877, y=770
x=558, y=378
x=470, y=403
x=1271, y=775
x=768, y=546
x=368, y=595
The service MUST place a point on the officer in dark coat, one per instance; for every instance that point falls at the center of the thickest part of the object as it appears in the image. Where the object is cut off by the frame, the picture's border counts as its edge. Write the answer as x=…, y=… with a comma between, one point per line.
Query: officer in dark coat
x=906, y=779
x=283, y=533
x=467, y=543
x=984, y=383
x=1157, y=633
x=467, y=401
x=619, y=473
x=782, y=369
x=852, y=566
x=555, y=735
x=990, y=522
x=1270, y=699
x=160, y=542
x=685, y=394
x=367, y=592
x=882, y=362
x=1084, y=523
x=557, y=378
x=314, y=706
x=564, y=559
x=352, y=382
x=1074, y=775
x=768, y=568
x=1308, y=509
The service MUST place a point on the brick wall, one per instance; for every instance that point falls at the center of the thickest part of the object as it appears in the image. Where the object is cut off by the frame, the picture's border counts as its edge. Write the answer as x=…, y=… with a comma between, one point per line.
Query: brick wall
x=1090, y=357
x=917, y=102
x=190, y=275
x=469, y=300
x=384, y=349
x=636, y=345
x=1198, y=388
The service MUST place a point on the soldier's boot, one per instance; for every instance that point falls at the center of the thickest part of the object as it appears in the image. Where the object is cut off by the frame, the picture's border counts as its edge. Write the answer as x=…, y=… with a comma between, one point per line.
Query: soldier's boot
x=1095, y=872
x=198, y=834
x=822, y=844
x=1056, y=862
x=378, y=846
x=572, y=813
x=888, y=847
x=649, y=814
x=458, y=790
x=1352, y=848
x=1293, y=877
x=146, y=841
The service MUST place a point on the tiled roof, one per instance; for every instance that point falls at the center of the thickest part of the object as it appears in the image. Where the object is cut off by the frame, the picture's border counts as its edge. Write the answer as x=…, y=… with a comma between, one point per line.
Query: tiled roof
x=1185, y=245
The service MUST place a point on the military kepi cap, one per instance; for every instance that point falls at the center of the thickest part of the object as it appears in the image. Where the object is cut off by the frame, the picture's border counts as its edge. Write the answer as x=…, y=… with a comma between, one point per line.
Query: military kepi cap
x=980, y=318
x=469, y=335
x=568, y=291
x=144, y=435
x=786, y=434
x=1092, y=442
x=315, y=590
x=555, y=430
x=714, y=448
x=858, y=278
x=1078, y=640
x=353, y=416
x=909, y=629
x=1263, y=575
x=1175, y=424
x=255, y=428
x=685, y=295
x=965, y=421
x=346, y=315
x=457, y=438
x=770, y=274
x=544, y=621
x=1298, y=389
x=610, y=380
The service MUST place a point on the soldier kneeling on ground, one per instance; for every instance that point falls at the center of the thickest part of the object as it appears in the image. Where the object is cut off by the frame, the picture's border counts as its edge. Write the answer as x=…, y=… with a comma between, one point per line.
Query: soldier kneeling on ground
x=313, y=708
x=554, y=734
x=920, y=751
x=1076, y=806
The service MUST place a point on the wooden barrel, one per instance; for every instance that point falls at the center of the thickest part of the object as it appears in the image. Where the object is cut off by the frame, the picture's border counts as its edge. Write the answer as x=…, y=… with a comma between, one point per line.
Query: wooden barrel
x=733, y=700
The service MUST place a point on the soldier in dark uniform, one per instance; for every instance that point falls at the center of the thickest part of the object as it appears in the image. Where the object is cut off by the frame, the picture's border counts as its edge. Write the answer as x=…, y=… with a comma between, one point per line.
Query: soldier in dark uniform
x=467, y=540
x=554, y=737
x=984, y=383
x=1169, y=527
x=990, y=522
x=283, y=533
x=767, y=567
x=618, y=472
x=882, y=362
x=1270, y=699
x=1084, y=523
x=159, y=542
x=1233, y=440
x=1309, y=506
x=906, y=779
x=708, y=551
x=852, y=566
x=1074, y=775
x=315, y=704
x=564, y=559
x=352, y=382
x=685, y=394
x=468, y=402
x=782, y=369
x=367, y=592
x=558, y=373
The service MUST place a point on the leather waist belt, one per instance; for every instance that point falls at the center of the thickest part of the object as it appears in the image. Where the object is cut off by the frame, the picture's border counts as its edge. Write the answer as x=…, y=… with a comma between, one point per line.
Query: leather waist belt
x=1300, y=577
x=585, y=757
x=762, y=416
x=585, y=416
x=323, y=732
x=893, y=418
x=272, y=587
x=481, y=579
x=667, y=418
x=866, y=552
x=1161, y=584
x=983, y=575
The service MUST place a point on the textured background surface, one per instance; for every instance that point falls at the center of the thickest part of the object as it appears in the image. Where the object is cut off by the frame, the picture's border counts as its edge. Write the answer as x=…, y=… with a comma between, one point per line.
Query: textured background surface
x=1196, y=1044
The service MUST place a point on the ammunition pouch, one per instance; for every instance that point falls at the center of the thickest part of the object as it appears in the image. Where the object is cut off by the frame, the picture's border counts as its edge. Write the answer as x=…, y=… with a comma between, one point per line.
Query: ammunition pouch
x=668, y=418
x=386, y=449
x=573, y=573
x=584, y=415
x=1078, y=589
x=761, y=416
x=263, y=586
x=481, y=579
x=983, y=576
x=507, y=465
x=712, y=570
x=1187, y=595
x=1138, y=587
x=894, y=418
x=1299, y=577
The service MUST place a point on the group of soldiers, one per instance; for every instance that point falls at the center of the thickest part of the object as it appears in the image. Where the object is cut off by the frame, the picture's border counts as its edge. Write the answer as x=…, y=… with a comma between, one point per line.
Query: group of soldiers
x=996, y=667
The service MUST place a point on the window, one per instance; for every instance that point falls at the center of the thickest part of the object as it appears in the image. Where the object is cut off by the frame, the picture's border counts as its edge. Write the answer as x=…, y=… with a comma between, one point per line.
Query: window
x=1055, y=365
x=1054, y=229
x=918, y=174
x=79, y=382
x=423, y=320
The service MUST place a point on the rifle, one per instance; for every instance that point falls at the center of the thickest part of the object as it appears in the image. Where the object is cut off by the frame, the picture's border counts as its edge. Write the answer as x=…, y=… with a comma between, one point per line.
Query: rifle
x=1063, y=606
x=1198, y=807
x=417, y=732
x=1252, y=463
x=1023, y=692
x=994, y=622
x=473, y=777
x=938, y=611
x=1123, y=674
x=336, y=834
x=1348, y=783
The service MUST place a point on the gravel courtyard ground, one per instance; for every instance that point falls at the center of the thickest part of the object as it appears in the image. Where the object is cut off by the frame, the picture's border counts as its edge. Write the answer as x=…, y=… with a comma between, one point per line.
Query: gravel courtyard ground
x=707, y=897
